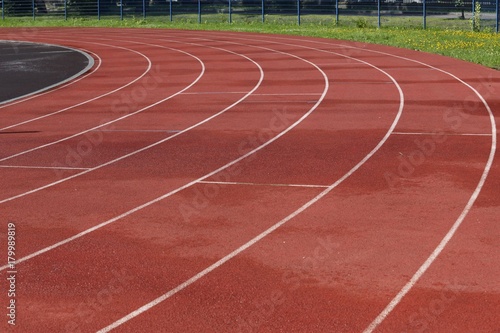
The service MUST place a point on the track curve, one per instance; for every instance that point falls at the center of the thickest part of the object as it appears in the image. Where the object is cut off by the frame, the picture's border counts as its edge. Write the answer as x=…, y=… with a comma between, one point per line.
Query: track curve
x=211, y=188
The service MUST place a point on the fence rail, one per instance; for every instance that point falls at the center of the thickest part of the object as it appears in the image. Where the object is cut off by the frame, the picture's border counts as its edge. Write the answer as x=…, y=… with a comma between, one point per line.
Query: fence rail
x=445, y=13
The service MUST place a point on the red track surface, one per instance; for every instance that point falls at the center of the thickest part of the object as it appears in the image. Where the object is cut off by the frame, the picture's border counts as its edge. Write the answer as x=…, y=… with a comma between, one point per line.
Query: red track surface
x=158, y=193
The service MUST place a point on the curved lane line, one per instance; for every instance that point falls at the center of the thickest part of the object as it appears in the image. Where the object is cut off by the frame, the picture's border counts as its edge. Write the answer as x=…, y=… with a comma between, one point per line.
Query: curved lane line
x=268, y=231
x=202, y=72
x=448, y=236
x=138, y=208
x=152, y=105
x=96, y=227
x=451, y=232
x=80, y=104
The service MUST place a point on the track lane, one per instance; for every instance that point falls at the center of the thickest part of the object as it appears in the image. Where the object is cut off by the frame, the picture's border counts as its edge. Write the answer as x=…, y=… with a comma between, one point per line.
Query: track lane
x=464, y=119
x=17, y=111
x=69, y=154
x=234, y=115
x=139, y=166
x=78, y=117
x=160, y=150
x=132, y=153
x=469, y=113
x=249, y=245
x=451, y=197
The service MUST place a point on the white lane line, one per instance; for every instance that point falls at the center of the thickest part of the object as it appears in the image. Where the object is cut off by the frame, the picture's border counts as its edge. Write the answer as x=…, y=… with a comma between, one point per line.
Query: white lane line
x=284, y=94
x=361, y=82
x=397, y=299
x=260, y=184
x=442, y=134
x=40, y=167
x=157, y=103
x=138, y=208
x=214, y=93
x=202, y=72
x=256, y=239
x=39, y=94
x=77, y=105
x=449, y=235
x=283, y=100
x=89, y=100
x=138, y=130
x=257, y=85
x=432, y=257
x=237, y=92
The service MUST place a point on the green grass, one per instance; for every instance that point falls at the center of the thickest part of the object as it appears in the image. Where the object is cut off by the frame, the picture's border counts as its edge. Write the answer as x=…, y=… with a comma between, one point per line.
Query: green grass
x=449, y=38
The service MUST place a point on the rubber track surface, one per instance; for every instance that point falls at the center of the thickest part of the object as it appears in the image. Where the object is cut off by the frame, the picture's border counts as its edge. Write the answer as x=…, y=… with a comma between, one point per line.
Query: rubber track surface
x=229, y=182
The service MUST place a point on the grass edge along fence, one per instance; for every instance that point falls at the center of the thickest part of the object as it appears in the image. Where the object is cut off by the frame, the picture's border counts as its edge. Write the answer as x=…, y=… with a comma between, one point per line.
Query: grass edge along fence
x=361, y=12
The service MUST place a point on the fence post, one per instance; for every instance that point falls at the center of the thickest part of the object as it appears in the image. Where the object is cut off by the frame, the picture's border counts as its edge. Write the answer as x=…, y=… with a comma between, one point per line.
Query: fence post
x=170, y=10
x=121, y=9
x=298, y=12
x=264, y=11
x=98, y=10
x=143, y=9
x=498, y=12
x=424, y=10
x=199, y=11
x=3, y=10
x=336, y=11
x=378, y=14
x=65, y=10
x=230, y=12
x=33, y=8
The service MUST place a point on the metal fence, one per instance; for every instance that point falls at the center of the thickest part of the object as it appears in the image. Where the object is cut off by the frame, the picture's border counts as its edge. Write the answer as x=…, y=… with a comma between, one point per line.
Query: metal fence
x=362, y=13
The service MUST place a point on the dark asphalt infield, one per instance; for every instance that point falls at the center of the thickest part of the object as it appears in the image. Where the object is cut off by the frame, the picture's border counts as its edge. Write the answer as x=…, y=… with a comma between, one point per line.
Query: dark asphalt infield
x=29, y=68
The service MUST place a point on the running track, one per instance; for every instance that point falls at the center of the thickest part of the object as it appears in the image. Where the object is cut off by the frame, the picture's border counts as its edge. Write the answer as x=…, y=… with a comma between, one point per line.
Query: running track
x=223, y=182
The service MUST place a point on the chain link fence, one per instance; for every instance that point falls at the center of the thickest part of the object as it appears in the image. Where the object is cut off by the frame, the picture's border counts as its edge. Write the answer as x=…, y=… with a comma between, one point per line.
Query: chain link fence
x=452, y=14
